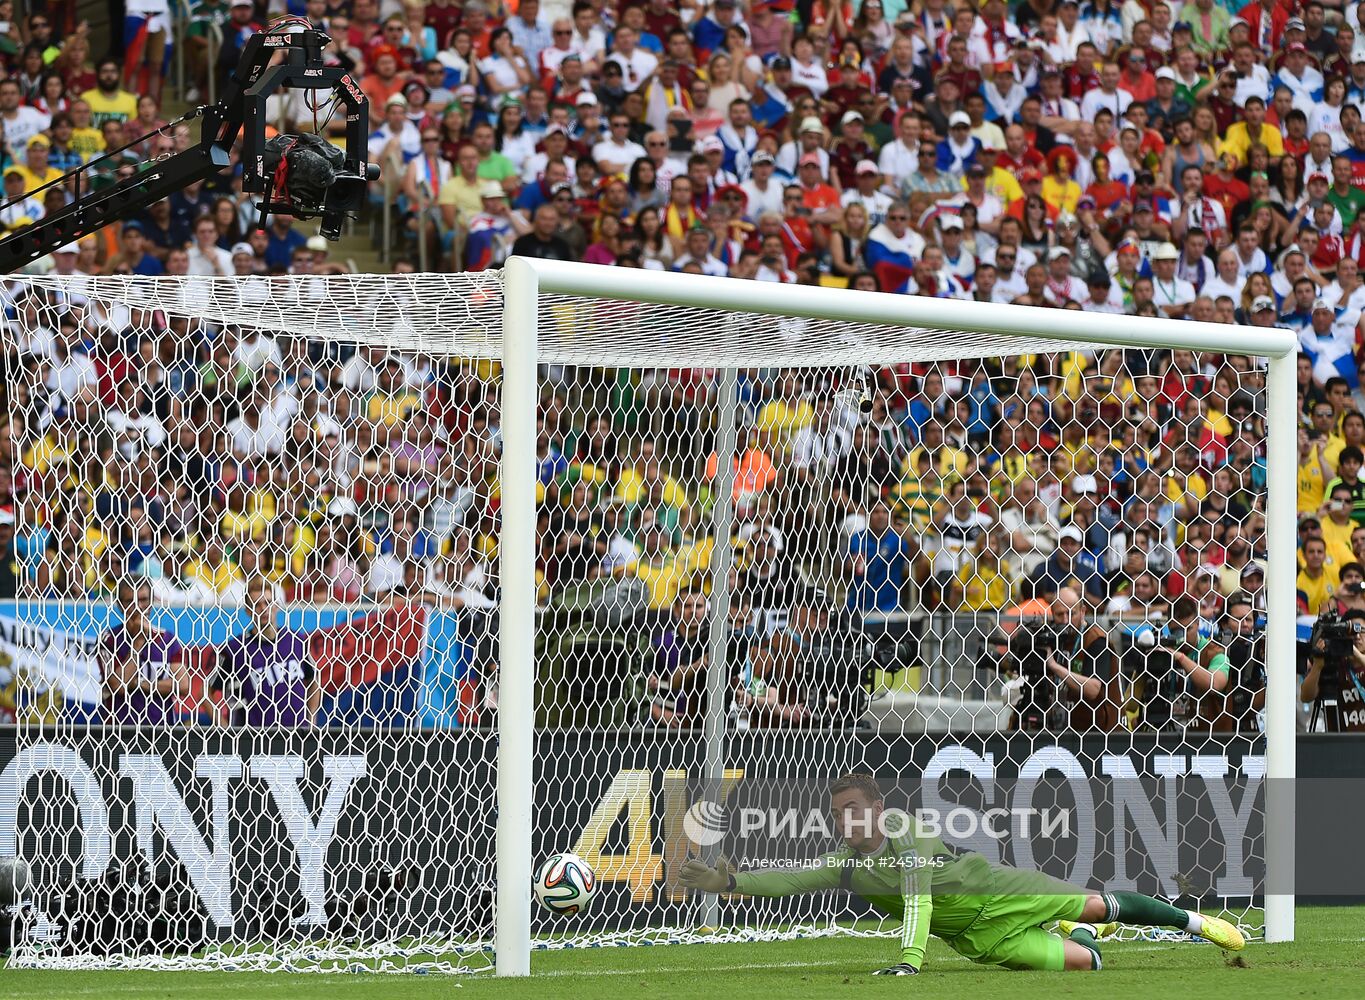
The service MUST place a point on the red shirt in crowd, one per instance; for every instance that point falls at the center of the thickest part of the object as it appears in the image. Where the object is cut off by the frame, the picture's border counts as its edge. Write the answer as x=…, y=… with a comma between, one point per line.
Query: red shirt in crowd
x=1030, y=157
x=1228, y=190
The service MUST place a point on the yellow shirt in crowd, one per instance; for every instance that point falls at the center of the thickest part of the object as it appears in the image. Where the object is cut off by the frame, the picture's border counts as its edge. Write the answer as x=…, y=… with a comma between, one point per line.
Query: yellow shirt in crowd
x=1316, y=593
x=984, y=588
x=1311, y=485
x=121, y=107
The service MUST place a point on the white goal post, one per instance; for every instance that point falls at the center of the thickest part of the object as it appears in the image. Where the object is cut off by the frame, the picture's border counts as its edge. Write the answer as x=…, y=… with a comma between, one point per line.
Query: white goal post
x=526, y=281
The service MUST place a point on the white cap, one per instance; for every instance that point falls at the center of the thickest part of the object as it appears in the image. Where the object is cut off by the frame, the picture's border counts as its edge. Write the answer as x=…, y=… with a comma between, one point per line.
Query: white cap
x=1358, y=54
x=243, y=248
x=342, y=507
x=491, y=189
x=712, y=144
x=1084, y=484
x=1166, y=251
x=1293, y=248
x=850, y=116
x=1165, y=73
x=812, y=124
x=1323, y=304
x=771, y=534
x=68, y=248
x=1072, y=532
x=866, y=167
x=317, y=244
x=950, y=220
x=586, y=97
x=959, y=118
x=1053, y=254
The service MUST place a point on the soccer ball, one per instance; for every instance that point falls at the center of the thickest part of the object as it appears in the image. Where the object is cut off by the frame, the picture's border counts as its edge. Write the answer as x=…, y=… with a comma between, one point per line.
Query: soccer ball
x=564, y=884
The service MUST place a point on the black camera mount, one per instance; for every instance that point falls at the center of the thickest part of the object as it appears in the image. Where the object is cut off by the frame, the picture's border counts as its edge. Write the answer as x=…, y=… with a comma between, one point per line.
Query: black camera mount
x=294, y=176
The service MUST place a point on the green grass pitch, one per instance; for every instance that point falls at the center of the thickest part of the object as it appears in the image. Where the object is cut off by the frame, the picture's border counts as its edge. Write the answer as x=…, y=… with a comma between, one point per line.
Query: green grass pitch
x=1325, y=961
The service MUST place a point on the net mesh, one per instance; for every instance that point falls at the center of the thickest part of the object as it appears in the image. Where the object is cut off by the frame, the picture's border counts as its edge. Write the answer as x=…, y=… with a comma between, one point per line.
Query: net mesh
x=250, y=642
x=460, y=315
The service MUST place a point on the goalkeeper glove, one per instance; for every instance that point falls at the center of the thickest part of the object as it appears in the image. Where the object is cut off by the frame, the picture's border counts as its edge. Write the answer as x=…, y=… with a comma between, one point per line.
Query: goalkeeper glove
x=696, y=874
x=904, y=969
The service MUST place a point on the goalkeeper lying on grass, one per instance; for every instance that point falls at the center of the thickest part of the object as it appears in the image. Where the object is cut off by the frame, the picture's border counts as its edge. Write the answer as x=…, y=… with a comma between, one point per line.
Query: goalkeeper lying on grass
x=992, y=915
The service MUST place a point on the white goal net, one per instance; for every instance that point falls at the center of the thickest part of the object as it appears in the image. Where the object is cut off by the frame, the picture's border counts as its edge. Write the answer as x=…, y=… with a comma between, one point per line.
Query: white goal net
x=255, y=615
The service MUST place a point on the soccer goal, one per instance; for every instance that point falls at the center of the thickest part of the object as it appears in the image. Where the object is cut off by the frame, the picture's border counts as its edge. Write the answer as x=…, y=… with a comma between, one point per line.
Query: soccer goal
x=339, y=603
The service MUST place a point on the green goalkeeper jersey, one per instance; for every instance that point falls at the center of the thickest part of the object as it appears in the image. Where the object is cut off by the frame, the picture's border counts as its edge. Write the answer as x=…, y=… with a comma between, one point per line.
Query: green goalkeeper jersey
x=929, y=886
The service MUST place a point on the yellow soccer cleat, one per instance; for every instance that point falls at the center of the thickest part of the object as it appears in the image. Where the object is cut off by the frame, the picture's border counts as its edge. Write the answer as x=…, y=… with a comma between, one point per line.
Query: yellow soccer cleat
x=1222, y=933
x=1102, y=931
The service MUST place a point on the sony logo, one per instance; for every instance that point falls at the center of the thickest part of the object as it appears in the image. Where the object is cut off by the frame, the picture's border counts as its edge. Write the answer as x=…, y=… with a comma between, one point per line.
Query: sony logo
x=159, y=805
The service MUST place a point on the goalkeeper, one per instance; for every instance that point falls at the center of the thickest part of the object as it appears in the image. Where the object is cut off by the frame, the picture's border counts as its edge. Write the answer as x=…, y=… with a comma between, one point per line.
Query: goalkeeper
x=991, y=915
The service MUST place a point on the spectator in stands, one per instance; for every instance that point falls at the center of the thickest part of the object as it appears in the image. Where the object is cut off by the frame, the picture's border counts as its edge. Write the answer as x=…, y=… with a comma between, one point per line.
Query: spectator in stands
x=1315, y=585
x=21, y=122
x=1070, y=562
x=266, y=675
x=728, y=195
x=984, y=581
x=880, y=562
x=677, y=679
x=204, y=17
x=543, y=240
x=206, y=257
x=143, y=665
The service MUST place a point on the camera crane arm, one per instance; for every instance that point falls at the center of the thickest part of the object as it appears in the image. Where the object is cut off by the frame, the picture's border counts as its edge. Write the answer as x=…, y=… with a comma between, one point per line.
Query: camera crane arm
x=266, y=166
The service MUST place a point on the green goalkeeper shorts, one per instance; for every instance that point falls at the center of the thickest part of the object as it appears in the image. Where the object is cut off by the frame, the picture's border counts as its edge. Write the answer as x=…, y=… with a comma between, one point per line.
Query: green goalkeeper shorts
x=1008, y=930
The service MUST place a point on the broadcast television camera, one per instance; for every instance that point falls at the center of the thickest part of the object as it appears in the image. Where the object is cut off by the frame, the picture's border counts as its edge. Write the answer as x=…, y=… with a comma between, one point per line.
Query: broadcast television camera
x=1159, y=685
x=300, y=175
x=1032, y=643
x=318, y=180
x=836, y=668
x=1332, y=640
x=1332, y=636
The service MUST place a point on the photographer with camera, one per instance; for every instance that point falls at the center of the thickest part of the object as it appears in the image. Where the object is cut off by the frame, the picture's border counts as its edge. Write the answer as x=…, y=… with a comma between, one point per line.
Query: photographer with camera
x=809, y=672
x=1065, y=668
x=1335, y=677
x=1165, y=667
x=1233, y=684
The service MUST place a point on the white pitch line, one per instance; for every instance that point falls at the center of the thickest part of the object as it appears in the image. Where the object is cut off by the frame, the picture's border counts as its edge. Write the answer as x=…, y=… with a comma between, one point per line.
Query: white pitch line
x=459, y=981
x=1124, y=948
x=655, y=969
x=745, y=966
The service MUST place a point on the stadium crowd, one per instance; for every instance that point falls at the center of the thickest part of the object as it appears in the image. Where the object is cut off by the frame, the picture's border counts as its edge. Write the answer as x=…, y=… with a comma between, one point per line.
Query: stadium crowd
x=1194, y=161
